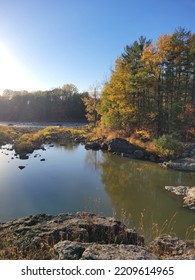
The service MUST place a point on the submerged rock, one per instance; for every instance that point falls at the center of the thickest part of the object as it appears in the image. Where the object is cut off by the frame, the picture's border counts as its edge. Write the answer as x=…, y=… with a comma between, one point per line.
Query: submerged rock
x=21, y=167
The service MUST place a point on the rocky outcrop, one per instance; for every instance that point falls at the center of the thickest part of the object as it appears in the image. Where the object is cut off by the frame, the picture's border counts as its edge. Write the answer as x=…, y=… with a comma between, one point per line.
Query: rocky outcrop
x=179, y=190
x=183, y=164
x=170, y=247
x=187, y=192
x=82, y=236
x=67, y=250
x=186, y=162
x=38, y=234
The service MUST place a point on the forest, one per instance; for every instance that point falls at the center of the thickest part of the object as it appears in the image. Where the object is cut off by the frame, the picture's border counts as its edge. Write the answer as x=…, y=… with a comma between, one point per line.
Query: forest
x=56, y=105
x=151, y=88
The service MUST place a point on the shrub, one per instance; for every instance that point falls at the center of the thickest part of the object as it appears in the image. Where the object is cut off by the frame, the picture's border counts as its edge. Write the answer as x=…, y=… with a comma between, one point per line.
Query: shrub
x=167, y=146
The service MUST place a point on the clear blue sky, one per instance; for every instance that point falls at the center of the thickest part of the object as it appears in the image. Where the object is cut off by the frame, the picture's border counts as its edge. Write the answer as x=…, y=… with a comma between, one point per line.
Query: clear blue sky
x=47, y=43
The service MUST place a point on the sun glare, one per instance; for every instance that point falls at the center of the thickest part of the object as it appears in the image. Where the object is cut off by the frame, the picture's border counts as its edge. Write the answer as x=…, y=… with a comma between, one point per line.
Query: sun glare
x=12, y=75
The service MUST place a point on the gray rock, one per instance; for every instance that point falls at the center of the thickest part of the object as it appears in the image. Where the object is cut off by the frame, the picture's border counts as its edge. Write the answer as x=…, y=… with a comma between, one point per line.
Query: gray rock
x=83, y=236
x=67, y=250
x=189, y=199
x=180, y=190
x=184, y=164
x=173, y=248
x=28, y=233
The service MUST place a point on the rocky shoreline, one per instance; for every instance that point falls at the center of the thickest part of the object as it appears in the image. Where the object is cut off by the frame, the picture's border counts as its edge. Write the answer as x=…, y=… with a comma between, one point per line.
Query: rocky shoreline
x=118, y=146
x=122, y=147
x=84, y=236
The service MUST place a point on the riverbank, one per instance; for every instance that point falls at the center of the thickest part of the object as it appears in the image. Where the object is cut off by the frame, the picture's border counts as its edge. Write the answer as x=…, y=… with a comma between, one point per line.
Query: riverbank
x=27, y=139
x=84, y=236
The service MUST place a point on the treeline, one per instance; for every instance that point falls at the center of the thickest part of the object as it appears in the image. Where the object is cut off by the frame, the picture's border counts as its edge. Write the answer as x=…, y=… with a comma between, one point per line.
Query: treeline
x=59, y=104
x=152, y=87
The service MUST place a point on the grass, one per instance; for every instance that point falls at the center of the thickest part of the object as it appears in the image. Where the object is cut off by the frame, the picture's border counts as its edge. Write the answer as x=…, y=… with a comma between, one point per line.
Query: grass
x=27, y=140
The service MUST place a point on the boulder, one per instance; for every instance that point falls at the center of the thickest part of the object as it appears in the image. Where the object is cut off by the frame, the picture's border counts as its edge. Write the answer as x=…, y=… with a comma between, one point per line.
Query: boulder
x=180, y=190
x=119, y=145
x=93, y=146
x=184, y=164
x=67, y=250
x=35, y=236
x=173, y=248
x=189, y=199
x=83, y=236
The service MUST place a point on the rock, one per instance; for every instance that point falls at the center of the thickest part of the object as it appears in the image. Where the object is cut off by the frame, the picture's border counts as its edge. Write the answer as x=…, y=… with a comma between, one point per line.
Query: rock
x=119, y=145
x=24, y=156
x=184, y=164
x=83, y=236
x=21, y=167
x=138, y=154
x=153, y=158
x=43, y=159
x=173, y=248
x=93, y=146
x=27, y=234
x=180, y=190
x=104, y=146
x=80, y=139
x=67, y=250
x=189, y=199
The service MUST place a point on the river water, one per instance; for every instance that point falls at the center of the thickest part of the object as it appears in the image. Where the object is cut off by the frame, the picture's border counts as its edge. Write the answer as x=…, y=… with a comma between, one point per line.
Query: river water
x=70, y=179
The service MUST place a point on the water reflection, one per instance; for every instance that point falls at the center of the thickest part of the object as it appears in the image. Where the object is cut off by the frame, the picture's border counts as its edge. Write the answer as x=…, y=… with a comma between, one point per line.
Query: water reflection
x=136, y=189
x=72, y=179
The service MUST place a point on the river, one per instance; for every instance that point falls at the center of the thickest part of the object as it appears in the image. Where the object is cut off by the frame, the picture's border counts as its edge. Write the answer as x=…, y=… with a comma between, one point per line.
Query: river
x=69, y=179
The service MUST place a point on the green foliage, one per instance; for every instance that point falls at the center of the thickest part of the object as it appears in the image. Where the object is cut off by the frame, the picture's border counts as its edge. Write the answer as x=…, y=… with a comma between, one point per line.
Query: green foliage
x=153, y=87
x=167, y=146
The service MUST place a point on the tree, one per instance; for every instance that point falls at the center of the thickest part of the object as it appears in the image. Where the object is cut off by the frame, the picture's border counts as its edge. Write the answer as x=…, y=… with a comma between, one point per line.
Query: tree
x=91, y=102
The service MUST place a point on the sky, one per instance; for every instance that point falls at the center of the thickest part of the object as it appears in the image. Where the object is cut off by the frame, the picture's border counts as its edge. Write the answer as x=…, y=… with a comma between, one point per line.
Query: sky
x=45, y=44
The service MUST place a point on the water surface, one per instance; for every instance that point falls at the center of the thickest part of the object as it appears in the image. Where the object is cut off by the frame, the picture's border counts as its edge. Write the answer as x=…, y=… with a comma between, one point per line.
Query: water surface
x=72, y=179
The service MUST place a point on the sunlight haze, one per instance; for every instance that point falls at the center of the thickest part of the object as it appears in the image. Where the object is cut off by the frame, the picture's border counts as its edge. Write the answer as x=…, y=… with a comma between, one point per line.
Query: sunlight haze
x=46, y=44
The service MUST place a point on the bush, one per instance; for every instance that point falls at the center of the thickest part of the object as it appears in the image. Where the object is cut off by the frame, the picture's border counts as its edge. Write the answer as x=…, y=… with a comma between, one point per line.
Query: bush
x=167, y=146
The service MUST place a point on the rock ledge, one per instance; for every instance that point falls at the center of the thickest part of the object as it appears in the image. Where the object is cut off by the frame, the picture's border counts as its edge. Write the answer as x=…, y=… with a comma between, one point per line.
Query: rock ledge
x=80, y=236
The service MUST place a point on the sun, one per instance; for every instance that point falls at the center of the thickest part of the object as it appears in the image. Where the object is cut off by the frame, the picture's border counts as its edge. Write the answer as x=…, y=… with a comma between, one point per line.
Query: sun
x=12, y=74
